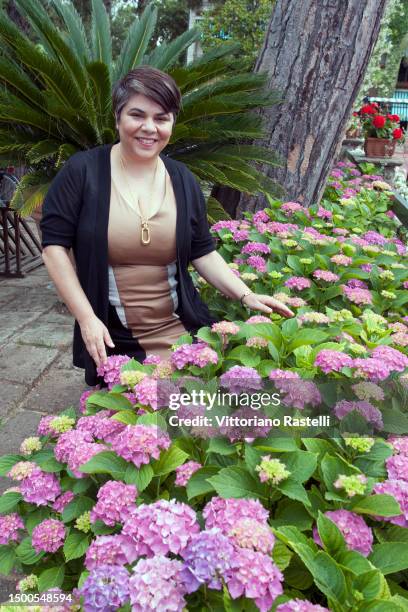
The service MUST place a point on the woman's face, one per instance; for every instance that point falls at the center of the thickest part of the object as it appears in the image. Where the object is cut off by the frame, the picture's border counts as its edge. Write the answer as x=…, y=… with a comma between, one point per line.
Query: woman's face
x=144, y=127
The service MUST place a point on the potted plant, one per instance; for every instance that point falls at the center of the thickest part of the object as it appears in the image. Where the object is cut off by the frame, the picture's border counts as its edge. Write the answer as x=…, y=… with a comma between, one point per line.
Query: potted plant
x=381, y=131
x=354, y=126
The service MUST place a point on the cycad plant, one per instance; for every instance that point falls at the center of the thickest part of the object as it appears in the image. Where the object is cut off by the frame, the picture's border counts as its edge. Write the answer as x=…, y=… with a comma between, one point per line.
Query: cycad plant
x=56, y=99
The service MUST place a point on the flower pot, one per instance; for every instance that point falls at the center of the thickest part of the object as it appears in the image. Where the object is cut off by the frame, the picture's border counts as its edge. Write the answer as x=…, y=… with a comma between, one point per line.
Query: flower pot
x=379, y=147
x=353, y=133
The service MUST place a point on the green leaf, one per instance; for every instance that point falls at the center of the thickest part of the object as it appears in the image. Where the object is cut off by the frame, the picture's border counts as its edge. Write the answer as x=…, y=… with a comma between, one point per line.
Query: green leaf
x=331, y=467
x=245, y=355
x=390, y=557
x=292, y=512
x=237, y=482
x=328, y=577
x=294, y=490
x=110, y=401
x=8, y=501
x=126, y=416
x=36, y=517
x=75, y=545
x=372, y=585
x=330, y=535
x=381, y=505
x=221, y=446
x=26, y=553
x=50, y=578
x=277, y=445
x=141, y=477
x=307, y=337
x=301, y=464
x=153, y=418
x=7, y=462
x=106, y=462
x=76, y=507
x=281, y=555
x=7, y=559
x=199, y=483
x=169, y=460
x=46, y=460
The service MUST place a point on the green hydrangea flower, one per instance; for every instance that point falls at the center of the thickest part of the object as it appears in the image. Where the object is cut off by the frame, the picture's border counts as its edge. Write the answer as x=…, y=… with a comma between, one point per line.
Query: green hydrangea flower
x=275, y=274
x=305, y=260
x=28, y=583
x=83, y=522
x=387, y=275
x=30, y=445
x=62, y=423
x=362, y=445
x=389, y=295
x=272, y=470
x=131, y=378
x=353, y=485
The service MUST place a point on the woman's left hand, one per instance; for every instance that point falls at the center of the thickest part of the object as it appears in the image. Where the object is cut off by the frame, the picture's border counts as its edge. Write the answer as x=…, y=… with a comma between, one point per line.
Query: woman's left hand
x=267, y=304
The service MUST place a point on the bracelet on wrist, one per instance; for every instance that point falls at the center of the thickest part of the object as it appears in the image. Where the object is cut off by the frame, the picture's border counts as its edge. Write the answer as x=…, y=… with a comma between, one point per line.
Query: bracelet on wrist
x=244, y=295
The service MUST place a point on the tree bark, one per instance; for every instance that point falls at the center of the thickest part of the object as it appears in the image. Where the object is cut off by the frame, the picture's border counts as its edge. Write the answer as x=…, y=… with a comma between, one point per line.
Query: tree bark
x=315, y=53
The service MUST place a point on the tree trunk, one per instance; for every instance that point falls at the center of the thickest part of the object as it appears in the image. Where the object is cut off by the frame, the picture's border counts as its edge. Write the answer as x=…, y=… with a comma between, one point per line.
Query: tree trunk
x=315, y=53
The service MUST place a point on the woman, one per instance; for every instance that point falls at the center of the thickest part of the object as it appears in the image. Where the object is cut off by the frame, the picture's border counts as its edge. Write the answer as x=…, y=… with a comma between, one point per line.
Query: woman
x=135, y=219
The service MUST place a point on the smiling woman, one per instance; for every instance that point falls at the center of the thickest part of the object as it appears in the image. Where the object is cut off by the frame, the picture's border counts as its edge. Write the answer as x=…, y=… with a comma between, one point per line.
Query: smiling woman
x=135, y=220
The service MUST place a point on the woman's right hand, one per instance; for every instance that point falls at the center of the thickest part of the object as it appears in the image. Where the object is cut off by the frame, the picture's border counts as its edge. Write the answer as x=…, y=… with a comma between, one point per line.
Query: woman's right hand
x=95, y=335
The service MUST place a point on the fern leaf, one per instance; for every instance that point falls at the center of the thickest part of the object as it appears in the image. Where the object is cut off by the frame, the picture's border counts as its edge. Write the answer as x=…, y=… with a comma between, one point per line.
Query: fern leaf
x=136, y=43
x=101, y=34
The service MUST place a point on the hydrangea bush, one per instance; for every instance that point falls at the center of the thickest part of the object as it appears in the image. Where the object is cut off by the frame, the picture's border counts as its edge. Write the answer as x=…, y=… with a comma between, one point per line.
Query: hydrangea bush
x=108, y=507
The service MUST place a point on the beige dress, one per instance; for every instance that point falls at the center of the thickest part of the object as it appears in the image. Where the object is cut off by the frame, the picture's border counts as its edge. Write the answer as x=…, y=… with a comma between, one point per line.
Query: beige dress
x=142, y=278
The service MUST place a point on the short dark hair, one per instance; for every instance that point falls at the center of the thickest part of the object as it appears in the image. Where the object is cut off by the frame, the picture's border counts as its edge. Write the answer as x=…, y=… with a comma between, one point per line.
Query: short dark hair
x=152, y=83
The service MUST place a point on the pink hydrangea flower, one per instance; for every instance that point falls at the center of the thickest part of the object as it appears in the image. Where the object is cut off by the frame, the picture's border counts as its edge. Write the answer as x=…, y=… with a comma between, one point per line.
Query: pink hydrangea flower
x=257, y=342
x=225, y=513
x=231, y=225
x=110, y=550
x=22, y=469
x=81, y=454
x=140, y=443
x=300, y=605
x=298, y=282
x=373, y=369
x=157, y=584
x=100, y=426
x=258, y=319
x=326, y=275
x=302, y=393
x=397, y=467
x=374, y=238
x=184, y=472
x=115, y=502
x=341, y=260
x=394, y=359
x=399, y=490
x=151, y=359
x=44, y=428
x=367, y=410
x=62, y=501
x=250, y=533
x=399, y=444
x=161, y=527
x=83, y=398
x=366, y=267
x=254, y=575
x=48, y=536
x=357, y=534
x=241, y=378
x=240, y=235
x=261, y=217
x=400, y=338
x=255, y=248
x=199, y=354
x=146, y=392
x=290, y=208
x=225, y=327
x=357, y=295
x=332, y=361
x=40, y=488
x=68, y=441
x=110, y=371
x=323, y=213
x=340, y=231
x=257, y=262
x=10, y=524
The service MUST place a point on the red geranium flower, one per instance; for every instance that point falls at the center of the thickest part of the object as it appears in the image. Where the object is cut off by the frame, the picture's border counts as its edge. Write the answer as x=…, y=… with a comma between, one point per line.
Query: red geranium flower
x=368, y=109
x=397, y=134
x=379, y=121
x=394, y=118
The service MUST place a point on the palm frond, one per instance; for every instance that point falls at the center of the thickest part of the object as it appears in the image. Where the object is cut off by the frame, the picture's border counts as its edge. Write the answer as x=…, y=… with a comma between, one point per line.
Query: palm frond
x=224, y=104
x=101, y=34
x=30, y=192
x=167, y=54
x=15, y=110
x=14, y=78
x=45, y=149
x=100, y=82
x=215, y=211
x=136, y=43
x=76, y=35
x=34, y=12
x=219, y=130
x=64, y=152
x=73, y=124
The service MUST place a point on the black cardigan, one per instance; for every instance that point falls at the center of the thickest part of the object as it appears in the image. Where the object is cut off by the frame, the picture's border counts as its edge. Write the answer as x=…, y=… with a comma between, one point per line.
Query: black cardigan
x=76, y=214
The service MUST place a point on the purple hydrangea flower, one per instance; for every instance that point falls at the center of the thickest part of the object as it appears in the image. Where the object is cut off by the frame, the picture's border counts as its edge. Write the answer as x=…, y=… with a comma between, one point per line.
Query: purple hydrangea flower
x=397, y=467
x=110, y=371
x=357, y=534
x=300, y=605
x=207, y=557
x=399, y=490
x=185, y=471
x=394, y=359
x=62, y=501
x=367, y=410
x=332, y=361
x=240, y=378
x=105, y=589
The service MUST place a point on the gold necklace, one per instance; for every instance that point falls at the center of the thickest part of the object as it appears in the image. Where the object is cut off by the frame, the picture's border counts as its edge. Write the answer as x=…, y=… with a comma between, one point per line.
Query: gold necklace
x=145, y=230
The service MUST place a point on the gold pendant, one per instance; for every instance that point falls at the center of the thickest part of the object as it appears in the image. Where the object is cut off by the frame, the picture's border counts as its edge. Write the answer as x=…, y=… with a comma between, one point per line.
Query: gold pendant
x=145, y=235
